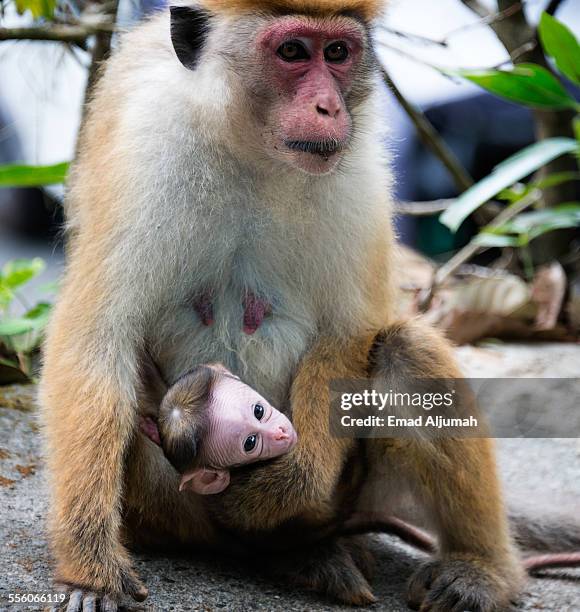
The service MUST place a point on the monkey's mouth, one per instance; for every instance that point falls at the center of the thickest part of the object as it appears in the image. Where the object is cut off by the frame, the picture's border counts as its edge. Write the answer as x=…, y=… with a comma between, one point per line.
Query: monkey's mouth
x=323, y=148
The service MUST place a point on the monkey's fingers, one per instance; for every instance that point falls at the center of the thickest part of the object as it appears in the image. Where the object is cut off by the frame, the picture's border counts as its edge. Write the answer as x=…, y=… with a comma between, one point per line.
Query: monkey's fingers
x=87, y=601
x=551, y=560
x=83, y=600
x=133, y=587
x=361, y=554
x=75, y=601
x=457, y=585
x=108, y=604
x=79, y=600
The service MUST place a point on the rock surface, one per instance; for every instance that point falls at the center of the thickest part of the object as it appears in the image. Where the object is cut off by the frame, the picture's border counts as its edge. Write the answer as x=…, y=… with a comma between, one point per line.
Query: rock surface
x=539, y=472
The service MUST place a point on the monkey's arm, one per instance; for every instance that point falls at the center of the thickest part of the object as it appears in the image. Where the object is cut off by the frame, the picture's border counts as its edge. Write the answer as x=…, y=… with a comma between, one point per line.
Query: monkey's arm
x=301, y=484
x=88, y=397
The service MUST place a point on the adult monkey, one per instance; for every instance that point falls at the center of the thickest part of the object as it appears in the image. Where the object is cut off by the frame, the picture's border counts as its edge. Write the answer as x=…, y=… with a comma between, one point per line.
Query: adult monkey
x=230, y=204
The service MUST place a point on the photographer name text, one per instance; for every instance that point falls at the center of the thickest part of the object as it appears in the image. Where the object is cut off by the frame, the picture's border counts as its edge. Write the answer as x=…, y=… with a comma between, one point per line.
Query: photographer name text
x=437, y=422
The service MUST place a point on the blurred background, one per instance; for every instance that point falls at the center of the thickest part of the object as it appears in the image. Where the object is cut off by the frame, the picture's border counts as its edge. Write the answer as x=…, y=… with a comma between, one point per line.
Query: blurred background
x=468, y=84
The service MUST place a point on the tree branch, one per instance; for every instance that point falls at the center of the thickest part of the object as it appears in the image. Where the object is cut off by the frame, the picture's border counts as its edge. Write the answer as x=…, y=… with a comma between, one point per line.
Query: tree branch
x=101, y=51
x=477, y=7
x=431, y=139
x=486, y=19
x=76, y=34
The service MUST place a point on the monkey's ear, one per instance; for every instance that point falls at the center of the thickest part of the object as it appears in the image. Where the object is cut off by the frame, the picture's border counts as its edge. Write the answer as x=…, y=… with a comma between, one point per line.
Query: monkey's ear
x=189, y=30
x=205, y=481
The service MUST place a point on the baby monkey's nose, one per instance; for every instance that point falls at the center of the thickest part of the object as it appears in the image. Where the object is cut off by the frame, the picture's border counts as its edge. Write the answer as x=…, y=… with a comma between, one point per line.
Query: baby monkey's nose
x=282, y=433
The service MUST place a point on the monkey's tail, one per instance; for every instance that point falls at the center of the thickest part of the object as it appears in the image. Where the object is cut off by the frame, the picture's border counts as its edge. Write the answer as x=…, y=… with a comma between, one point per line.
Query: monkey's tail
x=557, y=538
x=559, y=533
x=391, y=525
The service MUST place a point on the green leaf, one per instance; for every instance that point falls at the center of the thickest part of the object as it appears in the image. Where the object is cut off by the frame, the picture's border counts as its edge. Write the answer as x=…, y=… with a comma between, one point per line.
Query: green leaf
x=555, y=179
x=576, y=127
x=15, y=326
x=38, y=8
x=514, y=194
x=565, y=215
x=527, y=84
x=6, y=295
x=34, y=320
x=19, y=175
x=51, y=287
x=39, y=314
x=19, y=271
x=559, y=42
x=505, y=174
x=490, y=239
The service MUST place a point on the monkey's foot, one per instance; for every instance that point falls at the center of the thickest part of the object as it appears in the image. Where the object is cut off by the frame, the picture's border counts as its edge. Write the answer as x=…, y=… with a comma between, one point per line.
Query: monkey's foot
x=358, y=547
x=334, y=570
x=456, y=585
x=84, y=600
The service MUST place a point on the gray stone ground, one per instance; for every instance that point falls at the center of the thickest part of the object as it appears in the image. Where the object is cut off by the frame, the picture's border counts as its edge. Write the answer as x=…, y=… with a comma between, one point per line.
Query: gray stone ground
x=535, y=472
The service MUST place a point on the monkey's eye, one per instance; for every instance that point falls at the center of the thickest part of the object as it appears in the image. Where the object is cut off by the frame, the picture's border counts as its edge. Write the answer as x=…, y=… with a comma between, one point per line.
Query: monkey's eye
x=336, y=52
x=292, y=51
x=250, y=443
x=259, y=411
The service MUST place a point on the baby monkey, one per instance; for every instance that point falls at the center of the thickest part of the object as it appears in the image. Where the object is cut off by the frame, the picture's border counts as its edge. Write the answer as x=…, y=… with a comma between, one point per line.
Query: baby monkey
x=210, y=421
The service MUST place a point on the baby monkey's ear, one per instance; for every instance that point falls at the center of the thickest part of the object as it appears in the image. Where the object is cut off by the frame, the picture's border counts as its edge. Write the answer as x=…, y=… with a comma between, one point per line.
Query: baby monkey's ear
x=205, y=481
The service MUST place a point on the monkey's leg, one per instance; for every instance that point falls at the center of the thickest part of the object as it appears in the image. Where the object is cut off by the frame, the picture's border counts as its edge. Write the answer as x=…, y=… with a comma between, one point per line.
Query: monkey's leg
x=478, y=569
x=90, y=416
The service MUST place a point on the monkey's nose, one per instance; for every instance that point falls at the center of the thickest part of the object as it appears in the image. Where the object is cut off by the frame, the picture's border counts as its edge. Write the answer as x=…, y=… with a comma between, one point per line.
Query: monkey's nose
x=328, y=106
x=281, y=434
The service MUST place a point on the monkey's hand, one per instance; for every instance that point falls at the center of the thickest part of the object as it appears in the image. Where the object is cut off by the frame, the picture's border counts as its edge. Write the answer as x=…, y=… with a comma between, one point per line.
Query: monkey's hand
x=80, y=599
x=462, y=582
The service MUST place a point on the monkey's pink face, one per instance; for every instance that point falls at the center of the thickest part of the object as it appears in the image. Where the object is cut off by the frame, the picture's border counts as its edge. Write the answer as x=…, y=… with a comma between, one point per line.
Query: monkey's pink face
x=310, y=66
x=244, y=427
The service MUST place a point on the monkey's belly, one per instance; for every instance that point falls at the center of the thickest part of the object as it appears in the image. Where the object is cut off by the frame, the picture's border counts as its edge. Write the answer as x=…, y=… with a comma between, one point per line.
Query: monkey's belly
x=264, y=359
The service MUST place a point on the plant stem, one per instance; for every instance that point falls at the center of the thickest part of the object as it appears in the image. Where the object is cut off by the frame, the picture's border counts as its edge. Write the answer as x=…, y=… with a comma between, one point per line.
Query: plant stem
x=101, y=51
x=431, y=139
x=470, y=249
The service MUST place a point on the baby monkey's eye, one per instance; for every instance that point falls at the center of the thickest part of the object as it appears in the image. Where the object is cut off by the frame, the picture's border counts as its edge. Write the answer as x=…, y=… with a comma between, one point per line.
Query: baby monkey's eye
x=250, y=443
x=259, y=411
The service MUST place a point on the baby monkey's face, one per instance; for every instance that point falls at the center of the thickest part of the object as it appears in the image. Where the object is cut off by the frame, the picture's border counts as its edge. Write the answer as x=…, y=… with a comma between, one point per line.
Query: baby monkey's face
x=243, y=427
x=210, y=421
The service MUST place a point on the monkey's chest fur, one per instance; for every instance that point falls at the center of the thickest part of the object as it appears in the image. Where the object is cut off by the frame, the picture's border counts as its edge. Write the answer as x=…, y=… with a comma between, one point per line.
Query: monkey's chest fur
x=241, y=306
x=249, y=276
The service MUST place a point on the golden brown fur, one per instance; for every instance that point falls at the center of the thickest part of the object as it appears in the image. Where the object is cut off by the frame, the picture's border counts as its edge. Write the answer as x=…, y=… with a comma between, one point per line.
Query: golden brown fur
x=369, y=9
